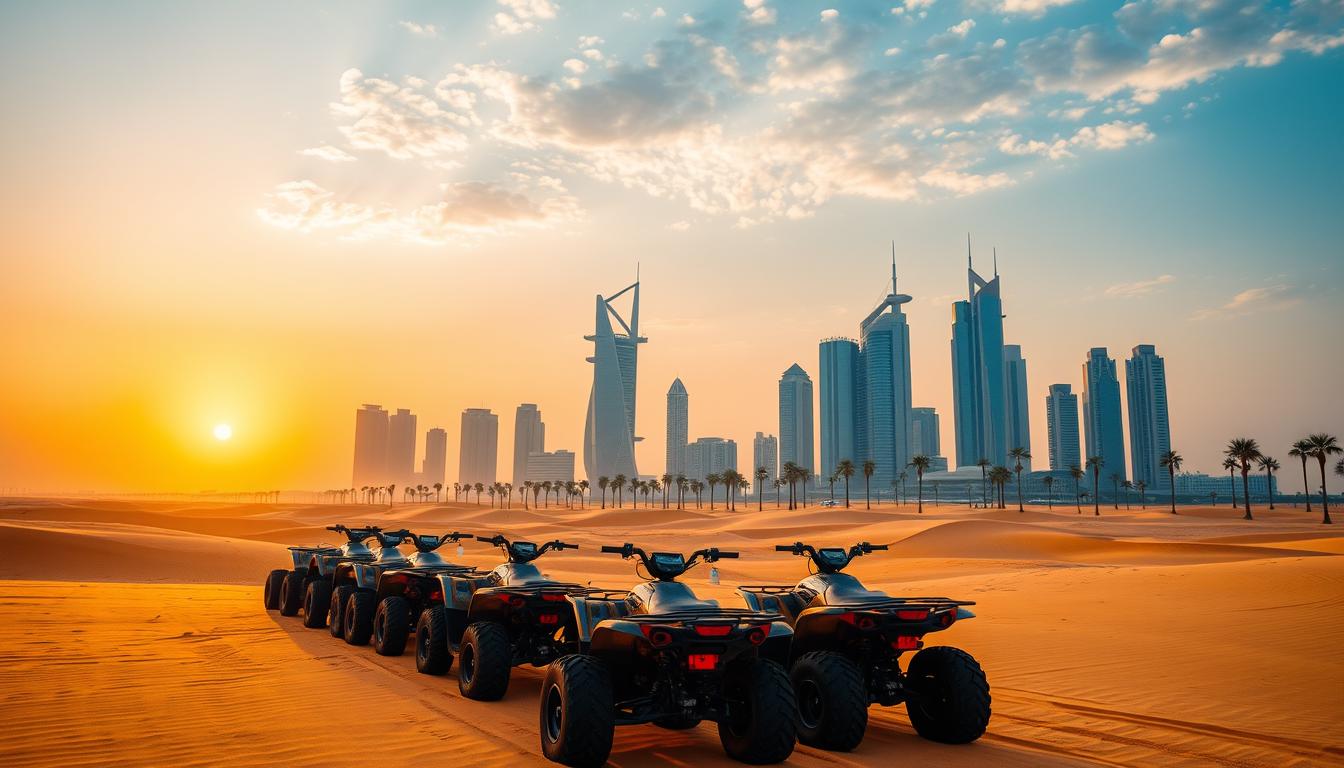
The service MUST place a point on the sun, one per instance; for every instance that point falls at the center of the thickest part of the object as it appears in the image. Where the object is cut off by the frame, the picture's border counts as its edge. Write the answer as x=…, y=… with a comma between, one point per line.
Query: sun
x=223, y=431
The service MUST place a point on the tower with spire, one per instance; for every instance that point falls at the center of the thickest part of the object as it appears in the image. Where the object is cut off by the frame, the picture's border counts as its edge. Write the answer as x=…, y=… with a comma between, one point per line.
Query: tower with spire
x=884, y=349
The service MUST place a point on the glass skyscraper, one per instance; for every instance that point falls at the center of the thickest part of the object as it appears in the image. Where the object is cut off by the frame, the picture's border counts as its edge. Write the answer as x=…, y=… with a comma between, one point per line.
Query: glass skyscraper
x=795, y=419
x=678, y=428
x=477, y=459
x=885, y=338
x=841, y=410
x=609, y=431
x=529, y=437
x=924, y=437
x=1061, y=422
x=1015, y=395
x=980, y=408
x=1101, y=414
x=1149, y=427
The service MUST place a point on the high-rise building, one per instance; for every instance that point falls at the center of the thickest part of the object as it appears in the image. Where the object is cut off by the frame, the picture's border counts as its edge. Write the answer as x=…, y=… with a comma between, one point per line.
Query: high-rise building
x=552, y=466
x=678, y=428
x=1061, y=422
x=401, y=435
x=710, y=455
x=980, y=408
x=885, y=338
x=924, y=437
x=480, y=447
x=370, y=446
x=609, y=431
x=1101, y=413
x=795, y=419
x=435, y=465
x=765, y=453
x=529, y=437
x=1149, y=427
x=840, y=413
x=1015, y=400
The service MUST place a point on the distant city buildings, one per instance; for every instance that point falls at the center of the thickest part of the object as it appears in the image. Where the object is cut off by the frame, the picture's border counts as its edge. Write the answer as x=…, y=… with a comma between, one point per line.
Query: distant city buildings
x=401, y=435
x=1149, y=427
x=1061, y=422
x=529, y=437
x=841, y=381
x=710, y=455
x=979, y=399
x=884, y=337
x=1015, y=397
x=1200, y=486
x=479, y=447
x=765, y=453
x=552, y=466
x=678, y=428
x=370, y=446
x=924, y=433
x=1101, y=413
x=434, y=467
x=609, y=431
x=795, y=419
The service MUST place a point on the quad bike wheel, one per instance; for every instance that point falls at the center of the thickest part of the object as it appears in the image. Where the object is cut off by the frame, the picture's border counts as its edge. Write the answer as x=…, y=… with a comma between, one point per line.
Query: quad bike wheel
x=336, y=622
x=357, y=617
x=832, y=701
x=432, y=656
x=484, y=661
x=291, y=593
x=951, y=696
x=577, y=712
x=760, y=726
x=316, y=603
x=270, y=592
x=391, y=626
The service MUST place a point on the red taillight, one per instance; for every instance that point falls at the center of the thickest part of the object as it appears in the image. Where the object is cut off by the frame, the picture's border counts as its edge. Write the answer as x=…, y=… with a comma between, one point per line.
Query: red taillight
x=906, y=643
x=554, y=597
x=436, y=595
x=549, y=618
x=517, y=601
x=658, y=637
x=919, y=615
x=756, y=636
x=713, y=630
x=860, y=620
x=702, y=662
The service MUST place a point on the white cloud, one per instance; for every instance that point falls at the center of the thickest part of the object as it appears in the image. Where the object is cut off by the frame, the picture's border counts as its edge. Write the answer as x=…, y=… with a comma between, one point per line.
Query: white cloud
x=1108, y=136
x=576, y=66
x=521, y=16
x=757, y=12
x=658, y=12
x=419, y=30
x=962, y=28
x=1252, y=301
x=830, y=14
x=403, y=120
x=1139, y=288
x=329, y=153
x=1032, y=8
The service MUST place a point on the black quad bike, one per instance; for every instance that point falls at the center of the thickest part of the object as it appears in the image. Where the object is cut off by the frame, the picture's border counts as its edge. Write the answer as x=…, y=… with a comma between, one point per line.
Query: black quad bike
x=403, y=593
x=664, y=656
x=847, y=644
x=286, y=589
x=495, y=621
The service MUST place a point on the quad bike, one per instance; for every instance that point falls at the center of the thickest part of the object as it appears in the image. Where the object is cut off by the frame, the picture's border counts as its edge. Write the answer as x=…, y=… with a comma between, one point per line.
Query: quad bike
x=847, y=644
x=495, y=621
x=664, y=656
x=285, y=589
x=402, y=593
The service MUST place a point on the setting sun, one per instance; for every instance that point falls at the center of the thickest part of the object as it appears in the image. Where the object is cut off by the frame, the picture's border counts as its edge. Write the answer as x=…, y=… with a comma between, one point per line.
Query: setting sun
x=223, y=431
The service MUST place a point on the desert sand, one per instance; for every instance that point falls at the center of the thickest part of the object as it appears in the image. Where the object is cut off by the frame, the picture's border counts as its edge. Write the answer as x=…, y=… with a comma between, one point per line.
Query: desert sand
x=133, y=633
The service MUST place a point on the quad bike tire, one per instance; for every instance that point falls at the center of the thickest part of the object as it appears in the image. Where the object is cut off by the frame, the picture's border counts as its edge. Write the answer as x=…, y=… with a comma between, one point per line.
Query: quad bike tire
x=578, y=718
x=951, y=704
x=270, y=593
x=391, y=626
x=291, y=593
x=832, y=701
x=432, y=656
x=316, y=603
x=357, y=617
x=764, y=729
x=336, y=616
x=484, y=661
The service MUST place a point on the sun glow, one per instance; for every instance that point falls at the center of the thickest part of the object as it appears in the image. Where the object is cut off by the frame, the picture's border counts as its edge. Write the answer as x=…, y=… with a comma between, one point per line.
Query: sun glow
x=223, y=431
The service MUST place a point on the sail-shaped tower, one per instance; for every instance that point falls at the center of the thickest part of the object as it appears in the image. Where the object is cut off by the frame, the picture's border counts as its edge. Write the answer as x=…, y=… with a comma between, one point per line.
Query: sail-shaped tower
x=609, y=433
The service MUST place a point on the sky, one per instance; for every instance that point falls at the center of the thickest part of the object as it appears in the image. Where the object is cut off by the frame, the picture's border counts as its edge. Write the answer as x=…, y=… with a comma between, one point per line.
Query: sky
x=267, y=214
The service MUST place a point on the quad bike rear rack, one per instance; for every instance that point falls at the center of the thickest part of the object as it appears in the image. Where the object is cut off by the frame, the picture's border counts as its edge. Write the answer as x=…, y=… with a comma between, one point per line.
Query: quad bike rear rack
x=708, y=615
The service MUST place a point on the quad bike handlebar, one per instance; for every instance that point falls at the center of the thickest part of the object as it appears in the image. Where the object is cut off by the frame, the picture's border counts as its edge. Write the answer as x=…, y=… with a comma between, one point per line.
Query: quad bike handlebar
x=393, y=538
x=524, y=551
x=430, y=542
x=356, y=535
x=830, y=559
x=667, y=566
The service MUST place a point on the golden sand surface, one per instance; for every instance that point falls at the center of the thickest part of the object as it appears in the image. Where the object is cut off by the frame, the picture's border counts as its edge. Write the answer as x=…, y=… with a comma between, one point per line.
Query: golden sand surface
x=133, y=633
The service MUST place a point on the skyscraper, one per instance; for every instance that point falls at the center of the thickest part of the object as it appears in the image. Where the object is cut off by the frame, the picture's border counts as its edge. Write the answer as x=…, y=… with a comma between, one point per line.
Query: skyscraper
x=609, y=432
x=529, y=436
x=435, y=465
x=480, y=447
x=401, y=436
x=841, y=413
x=924, y=437
x=678, y=428
x=765, y=453
x=710, y=455
x=885, y=336
x=370, y=446
x=1015, y=397
x=1149, y=427
x=795, y=419
x=552, y=466
x=1061, y=422
x=1101, y=413
x=979, y=404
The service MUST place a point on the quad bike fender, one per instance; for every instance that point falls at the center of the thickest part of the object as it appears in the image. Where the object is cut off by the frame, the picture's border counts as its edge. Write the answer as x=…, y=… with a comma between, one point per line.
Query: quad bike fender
x=616, y=636
x=489, y=604
x=778, y=643
x=366, y=576
x=589, y=612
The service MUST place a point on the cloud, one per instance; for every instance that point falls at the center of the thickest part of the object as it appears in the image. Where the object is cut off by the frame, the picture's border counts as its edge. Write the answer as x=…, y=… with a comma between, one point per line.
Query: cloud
x=419, y=30
x=1252, y=301
x=1139, y=288
x=829, y=14
x=403, y=120
x=757, y=12
x=1117, y=134
x=329, y=153
x=521, y=16
x=1032, y=8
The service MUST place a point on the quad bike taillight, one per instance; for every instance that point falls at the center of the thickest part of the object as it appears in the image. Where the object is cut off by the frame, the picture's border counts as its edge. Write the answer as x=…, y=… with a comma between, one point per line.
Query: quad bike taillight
x=713, y=630
x=913, y=615
x=756, y=636
x=548, y=618
x=554, y=597
x=658, y=637
x=702, y=662
x=862, y=621
x=906, y=643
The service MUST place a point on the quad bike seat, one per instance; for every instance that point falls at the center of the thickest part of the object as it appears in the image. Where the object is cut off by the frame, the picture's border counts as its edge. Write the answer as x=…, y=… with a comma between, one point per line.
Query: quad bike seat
x=841, y=589
x=675, y=597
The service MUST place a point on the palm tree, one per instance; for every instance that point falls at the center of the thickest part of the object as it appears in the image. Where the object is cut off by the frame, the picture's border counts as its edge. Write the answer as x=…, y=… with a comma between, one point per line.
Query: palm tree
x=392, y=490
x=904, y=495
x=845, y=469
x=869, y=467
x=1230, y=464
x=583, y=491
x=618, y=486
x=920, y=463
x=729, y=479
x=682, y=484
x=1302, y=450
x=1095, y=463
x=779, y=483
x=713, y=479
x=1143, y=494
x=1000, y=476
x=1115, y=493
x=790, y=477
x=762, y=474
x=602, y=482
x=1049, y=481
x=831, y=482
x=1244, y=451
x=1018, y=454
x=1172, y=461
x=438, y=489
x=696, y=488
x=983, y=464
x=1076, y=472
x=479, y=487
x=896, y=491
x=1270, y=465
x=1322, y=447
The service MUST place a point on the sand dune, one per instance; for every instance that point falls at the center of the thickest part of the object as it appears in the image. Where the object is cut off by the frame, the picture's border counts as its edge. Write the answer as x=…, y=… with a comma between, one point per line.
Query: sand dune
x=1133, y=639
